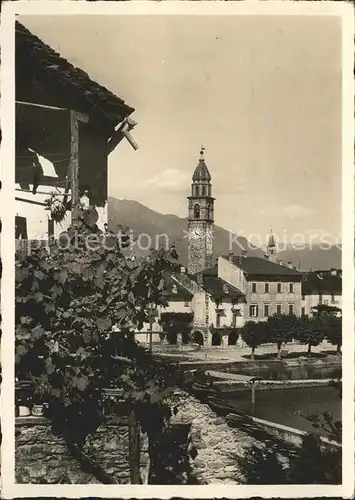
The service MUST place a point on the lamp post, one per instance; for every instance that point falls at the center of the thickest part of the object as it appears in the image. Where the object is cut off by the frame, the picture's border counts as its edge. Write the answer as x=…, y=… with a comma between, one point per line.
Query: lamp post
x=252, y=383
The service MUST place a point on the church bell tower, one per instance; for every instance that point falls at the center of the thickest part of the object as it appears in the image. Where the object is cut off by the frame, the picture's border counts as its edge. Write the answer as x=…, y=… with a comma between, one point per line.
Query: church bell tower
x=200, y=219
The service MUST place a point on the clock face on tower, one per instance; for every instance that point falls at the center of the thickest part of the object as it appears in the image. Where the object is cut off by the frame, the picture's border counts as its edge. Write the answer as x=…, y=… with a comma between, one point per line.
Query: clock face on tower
x=196, y=232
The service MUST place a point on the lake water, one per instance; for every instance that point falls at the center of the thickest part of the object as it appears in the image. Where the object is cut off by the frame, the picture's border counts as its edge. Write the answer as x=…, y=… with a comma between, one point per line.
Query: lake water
x=289, y=406
x=281, y=371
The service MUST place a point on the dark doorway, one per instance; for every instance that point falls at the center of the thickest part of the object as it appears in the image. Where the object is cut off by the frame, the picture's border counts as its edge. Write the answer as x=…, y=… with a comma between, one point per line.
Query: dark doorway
x=216, y=339
x=198, y=338
x=171, y=337
x=233, y=337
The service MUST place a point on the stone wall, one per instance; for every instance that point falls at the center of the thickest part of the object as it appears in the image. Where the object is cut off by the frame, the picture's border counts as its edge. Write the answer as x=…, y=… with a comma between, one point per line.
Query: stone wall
x=42, y=458
x=216, y=442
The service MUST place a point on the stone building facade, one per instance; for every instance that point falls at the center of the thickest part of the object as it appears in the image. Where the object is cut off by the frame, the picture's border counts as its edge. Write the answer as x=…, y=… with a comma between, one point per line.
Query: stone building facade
x=200, y=219
x=322, y=288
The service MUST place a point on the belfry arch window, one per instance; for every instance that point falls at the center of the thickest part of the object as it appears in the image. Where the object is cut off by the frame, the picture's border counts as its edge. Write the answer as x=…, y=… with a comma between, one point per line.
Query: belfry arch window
x=203, y=190
x=196, y=211
x=209, y=211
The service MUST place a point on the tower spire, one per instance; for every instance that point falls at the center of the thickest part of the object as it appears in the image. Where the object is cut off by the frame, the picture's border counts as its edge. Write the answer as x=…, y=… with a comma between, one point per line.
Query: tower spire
x=271, y=248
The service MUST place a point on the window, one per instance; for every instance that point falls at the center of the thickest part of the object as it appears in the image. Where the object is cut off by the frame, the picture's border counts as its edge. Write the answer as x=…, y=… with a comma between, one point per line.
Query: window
x=303, y=311
x=290, y=309
x=253, y=311
x=332, y=298
x=187, y=303
x=279, y=309
x=218, y=320
x=266, y=310
x=291, y=288
x=320, y=298
x=266, y=287
x=197, y=211
x=303, y=297
x=253, y=288
x=279, y=288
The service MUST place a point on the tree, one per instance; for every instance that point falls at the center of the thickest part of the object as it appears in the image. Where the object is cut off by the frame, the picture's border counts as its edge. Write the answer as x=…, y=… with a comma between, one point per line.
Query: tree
x=77, y=307
x=253, y=334
x=334, y=332
x=310, y=331
x=281, y=328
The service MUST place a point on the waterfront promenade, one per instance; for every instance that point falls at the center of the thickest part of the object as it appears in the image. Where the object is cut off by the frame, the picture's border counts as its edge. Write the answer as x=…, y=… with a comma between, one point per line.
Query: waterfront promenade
x=265, y=351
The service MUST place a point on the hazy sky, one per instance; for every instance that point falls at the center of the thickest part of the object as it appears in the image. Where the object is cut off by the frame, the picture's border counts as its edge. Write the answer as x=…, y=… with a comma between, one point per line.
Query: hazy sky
x=262, y=94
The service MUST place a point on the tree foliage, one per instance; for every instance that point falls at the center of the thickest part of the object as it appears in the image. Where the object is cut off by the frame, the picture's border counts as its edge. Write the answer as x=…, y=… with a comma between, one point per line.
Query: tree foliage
x=254, y=334
x=334, y=332
x=76, y=309
x=310, y=331
x=281, y=329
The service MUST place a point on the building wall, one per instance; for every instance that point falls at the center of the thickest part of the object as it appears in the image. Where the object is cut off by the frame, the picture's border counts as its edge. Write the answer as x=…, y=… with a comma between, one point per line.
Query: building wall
x=199, y=308
x=232, y=274
x=37, y=216
x=311, y=300
x=177, y=306
x=273, y=299
x=225, y=313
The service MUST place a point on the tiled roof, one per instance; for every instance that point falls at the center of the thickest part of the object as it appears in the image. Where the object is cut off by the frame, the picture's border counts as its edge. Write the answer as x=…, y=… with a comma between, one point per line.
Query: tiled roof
x=51, y=69
x=174, y=290
x=321, y=282
x=201, y=172
x=255, y=266
x=216, y=286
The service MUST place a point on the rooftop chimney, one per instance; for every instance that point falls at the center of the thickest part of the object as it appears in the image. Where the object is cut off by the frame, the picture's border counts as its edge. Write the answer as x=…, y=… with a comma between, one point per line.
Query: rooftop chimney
x=244, y=253
x=289, y=264
x=183, y=270
x=266, y=256
x=230, y=256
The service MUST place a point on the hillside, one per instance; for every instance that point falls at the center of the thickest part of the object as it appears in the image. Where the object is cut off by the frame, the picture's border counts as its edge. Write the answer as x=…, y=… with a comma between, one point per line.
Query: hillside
x=145, y=221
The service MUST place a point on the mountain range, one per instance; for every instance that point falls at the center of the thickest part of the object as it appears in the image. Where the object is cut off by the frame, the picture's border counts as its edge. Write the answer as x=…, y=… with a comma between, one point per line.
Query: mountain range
x=146, y=224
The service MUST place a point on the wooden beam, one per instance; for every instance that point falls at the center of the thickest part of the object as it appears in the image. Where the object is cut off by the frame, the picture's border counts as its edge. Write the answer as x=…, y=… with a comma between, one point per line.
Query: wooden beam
x=74, y=165
x=75, y=118
x=40, y=106
x=38, y=192
x=120, y=133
